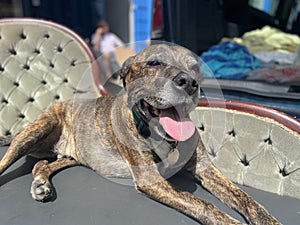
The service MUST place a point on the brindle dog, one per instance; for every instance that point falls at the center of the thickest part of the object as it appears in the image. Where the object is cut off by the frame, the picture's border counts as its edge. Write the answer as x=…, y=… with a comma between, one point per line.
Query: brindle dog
x=145, y=133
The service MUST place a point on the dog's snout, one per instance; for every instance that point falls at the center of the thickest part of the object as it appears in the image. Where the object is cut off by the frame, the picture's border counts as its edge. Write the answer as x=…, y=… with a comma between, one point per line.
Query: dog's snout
x=186, y=82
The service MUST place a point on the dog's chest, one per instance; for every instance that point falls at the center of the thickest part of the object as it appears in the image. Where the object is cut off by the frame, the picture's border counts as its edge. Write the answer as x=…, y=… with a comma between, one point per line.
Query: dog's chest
x=174, y=157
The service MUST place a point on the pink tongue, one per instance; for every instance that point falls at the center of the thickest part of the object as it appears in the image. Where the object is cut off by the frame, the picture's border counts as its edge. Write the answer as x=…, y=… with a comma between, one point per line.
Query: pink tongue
x=181, y=129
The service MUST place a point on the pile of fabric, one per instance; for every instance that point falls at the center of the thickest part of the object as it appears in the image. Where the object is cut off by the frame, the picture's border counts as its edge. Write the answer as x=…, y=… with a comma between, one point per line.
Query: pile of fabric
x=269, y=39
x=265, y=54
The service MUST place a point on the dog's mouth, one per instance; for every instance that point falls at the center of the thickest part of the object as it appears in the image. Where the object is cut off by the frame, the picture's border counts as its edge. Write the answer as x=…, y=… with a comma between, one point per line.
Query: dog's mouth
x=176, y=124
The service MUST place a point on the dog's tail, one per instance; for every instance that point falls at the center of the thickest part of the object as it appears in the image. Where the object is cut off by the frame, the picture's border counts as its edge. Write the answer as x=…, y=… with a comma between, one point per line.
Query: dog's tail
x=5, y=140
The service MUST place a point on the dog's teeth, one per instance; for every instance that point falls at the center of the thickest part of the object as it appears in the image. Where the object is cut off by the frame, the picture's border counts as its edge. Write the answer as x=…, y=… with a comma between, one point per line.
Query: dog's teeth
x=156, y=111
x=146, y=104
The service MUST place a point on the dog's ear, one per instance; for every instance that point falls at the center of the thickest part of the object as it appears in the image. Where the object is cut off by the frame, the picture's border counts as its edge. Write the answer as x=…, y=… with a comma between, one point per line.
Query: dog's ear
x=124, y=70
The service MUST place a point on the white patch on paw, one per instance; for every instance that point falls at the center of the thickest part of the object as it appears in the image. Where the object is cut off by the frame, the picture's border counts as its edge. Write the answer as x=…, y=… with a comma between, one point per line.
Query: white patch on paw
x=40, y=189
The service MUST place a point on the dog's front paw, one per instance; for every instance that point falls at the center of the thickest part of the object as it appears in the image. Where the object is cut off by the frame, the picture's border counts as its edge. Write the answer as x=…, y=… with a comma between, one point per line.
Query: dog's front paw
x=41, y=189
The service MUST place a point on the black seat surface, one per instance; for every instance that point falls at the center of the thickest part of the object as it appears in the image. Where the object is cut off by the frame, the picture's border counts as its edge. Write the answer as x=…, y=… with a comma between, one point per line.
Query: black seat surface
x=84, y=197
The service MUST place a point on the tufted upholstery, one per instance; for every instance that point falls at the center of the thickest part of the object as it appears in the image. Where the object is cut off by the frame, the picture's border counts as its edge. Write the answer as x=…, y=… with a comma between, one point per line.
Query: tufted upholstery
x=41, y=62
x=252, y=145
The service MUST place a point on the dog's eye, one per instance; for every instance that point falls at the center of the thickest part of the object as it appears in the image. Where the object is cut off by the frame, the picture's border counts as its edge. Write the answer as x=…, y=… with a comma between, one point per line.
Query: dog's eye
x=153, y=63
x=196, y=68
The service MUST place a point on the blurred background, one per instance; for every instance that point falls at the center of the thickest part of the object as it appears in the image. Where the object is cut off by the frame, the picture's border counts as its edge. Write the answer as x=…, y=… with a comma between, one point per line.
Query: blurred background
x=196, y=24
x=255, y=41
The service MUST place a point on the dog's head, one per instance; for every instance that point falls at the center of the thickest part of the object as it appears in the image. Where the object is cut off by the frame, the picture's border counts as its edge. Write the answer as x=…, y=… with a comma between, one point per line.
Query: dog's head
x=162, y=82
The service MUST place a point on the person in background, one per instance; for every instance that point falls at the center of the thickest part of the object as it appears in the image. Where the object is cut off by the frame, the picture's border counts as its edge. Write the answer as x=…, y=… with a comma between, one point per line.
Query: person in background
x=104, y=43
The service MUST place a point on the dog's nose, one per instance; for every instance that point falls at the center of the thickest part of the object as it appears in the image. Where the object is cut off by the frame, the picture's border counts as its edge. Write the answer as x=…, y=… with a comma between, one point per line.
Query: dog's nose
x=186, y=82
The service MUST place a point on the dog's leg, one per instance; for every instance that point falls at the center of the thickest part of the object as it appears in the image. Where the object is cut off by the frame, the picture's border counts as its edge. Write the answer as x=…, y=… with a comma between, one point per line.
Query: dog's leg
x=148, y=181
x=220, y=186
x=24, y=142
x=41, y=187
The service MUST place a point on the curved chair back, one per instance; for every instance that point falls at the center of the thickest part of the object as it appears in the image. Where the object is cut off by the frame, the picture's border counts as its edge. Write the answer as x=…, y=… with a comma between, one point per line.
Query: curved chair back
x=253, y=145
x=41, y=62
